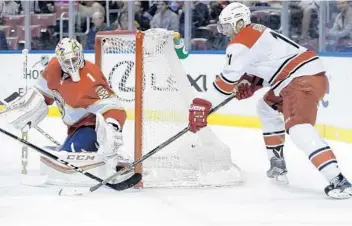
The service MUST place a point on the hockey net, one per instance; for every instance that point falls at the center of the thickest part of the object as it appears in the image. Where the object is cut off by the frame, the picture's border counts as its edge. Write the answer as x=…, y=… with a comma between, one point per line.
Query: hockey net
x=148, y=78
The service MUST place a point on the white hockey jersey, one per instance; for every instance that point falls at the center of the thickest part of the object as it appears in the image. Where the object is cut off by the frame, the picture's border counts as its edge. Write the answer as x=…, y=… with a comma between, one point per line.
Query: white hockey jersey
x=260, y=51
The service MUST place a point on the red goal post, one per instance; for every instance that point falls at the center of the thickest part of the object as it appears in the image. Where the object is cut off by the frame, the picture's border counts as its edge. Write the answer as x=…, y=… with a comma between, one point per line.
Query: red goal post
x=138, y=84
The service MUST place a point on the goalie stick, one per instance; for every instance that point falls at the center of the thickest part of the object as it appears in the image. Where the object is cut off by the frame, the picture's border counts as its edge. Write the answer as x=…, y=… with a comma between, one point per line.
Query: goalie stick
x=33, y=180
x=130, y=182
x=80, y=191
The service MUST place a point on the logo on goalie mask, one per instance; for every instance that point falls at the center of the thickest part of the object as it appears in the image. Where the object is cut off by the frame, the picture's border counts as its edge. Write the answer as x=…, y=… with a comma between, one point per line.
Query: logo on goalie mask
x=60, y=102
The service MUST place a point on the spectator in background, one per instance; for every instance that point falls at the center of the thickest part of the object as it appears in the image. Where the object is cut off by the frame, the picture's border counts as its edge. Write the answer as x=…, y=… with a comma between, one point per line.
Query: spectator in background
x=120, y=6
x=88, y=8
x=9, y=8
x=202, y=11
x=215, y=9
x=116, y=8
x=141, y=17
x=37, y=6
x=3, y=41
x=174, y=6
x=98, y=25
x=122, y=22
x=152, y=10
x=2, y=7
x=342, y=28
x=307, y=7
x=200, y=17
x=165, y=18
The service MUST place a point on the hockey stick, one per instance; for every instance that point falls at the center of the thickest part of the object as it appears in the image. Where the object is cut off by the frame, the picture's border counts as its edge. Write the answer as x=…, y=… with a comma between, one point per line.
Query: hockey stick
x=52, y=139
x=24, y=154
x=130, y=167
x=130, y=182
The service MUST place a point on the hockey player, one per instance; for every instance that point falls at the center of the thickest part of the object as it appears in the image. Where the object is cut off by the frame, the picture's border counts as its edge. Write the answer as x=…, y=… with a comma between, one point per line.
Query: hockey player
x=297, y=83
x=89, y=108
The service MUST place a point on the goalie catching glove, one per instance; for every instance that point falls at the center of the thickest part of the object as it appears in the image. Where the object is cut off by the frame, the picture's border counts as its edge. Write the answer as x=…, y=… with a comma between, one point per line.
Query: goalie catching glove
x=30, y=109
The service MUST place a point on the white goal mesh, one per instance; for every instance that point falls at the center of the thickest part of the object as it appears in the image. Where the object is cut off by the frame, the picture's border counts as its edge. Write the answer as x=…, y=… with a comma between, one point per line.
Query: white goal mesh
x=194, y=160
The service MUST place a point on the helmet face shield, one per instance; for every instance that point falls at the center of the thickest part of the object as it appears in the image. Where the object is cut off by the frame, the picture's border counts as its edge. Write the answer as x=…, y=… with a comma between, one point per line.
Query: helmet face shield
x=71, y=64
x=71, y=61
x=219, y=27
x=225, y=29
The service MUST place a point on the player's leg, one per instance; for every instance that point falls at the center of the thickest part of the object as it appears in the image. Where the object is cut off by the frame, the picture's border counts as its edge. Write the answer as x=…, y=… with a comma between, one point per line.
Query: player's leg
x=84, y=139
x=273, y=128
x=301, y=98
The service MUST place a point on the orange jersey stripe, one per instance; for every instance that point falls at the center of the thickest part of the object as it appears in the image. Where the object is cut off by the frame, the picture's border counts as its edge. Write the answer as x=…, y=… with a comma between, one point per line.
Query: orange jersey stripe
x=288, y=67
x=249, y=35
x=223, y=86
x=322, y=157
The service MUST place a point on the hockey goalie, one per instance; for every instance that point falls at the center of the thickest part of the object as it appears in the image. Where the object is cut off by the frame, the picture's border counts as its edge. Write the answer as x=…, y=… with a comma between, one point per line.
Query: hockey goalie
x=297, y=82
x=89, y=108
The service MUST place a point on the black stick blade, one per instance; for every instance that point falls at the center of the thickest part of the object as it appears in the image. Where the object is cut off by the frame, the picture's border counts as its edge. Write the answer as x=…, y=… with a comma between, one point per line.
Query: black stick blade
x=126, y=184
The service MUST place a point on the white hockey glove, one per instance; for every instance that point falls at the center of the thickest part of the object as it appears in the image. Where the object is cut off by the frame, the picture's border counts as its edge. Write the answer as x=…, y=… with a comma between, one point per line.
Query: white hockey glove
x=30, y=109
x=109, y=137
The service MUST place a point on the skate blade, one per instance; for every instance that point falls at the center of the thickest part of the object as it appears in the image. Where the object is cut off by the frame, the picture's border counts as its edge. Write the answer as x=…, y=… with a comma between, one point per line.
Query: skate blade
x=280, y=180
x=338, y=194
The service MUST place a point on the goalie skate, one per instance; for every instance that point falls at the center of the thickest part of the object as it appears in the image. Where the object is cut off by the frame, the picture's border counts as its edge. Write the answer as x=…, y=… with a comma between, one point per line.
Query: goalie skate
x=339, y=188
x=278, y=170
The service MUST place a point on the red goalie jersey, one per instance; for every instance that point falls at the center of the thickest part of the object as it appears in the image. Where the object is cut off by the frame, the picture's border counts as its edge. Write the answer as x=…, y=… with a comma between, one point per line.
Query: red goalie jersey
x=78, y=102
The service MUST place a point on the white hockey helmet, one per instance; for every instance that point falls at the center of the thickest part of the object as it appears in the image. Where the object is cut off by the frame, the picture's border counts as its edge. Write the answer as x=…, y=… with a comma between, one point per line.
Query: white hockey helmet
x=231, y=16
x=69, y=53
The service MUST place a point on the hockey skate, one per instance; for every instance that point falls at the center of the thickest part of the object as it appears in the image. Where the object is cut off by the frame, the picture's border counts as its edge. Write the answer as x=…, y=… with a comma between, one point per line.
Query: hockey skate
x=278, y=170
x=339, y=188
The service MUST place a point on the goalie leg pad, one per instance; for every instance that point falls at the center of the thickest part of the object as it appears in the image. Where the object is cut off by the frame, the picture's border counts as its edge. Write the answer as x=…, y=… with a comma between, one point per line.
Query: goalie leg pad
x=30, y=109
x=110, y=141
x=60, y=174
x=83, y=139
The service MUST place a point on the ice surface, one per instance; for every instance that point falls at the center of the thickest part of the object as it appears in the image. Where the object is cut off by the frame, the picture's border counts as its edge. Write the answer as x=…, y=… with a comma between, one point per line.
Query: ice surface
x=257, y=202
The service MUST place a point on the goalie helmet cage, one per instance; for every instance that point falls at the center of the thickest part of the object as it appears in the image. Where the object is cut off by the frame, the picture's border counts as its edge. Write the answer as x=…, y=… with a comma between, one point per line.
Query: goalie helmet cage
x=148, y=78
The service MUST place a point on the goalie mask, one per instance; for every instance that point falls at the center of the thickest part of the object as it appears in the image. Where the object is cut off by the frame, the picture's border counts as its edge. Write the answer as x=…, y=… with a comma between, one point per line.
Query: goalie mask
x=233, y=18
x=69, y=53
